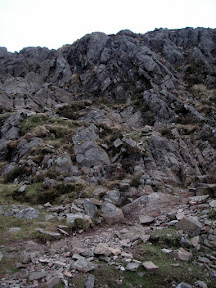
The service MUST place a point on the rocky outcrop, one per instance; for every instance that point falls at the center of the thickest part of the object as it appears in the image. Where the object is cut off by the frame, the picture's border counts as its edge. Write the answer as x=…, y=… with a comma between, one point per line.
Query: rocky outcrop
x=113, y=129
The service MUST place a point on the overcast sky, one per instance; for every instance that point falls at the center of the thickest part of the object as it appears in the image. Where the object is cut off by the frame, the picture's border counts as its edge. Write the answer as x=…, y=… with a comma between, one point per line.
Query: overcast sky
x=52, y=23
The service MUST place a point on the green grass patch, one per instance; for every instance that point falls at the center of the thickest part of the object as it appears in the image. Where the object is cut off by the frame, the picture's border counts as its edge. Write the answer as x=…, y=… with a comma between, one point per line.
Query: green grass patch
x=7, y=265
x=14, y=173
x=6, y=193
x=185, y=272
x=27, y=228
x=166, y=237
x=27, y=125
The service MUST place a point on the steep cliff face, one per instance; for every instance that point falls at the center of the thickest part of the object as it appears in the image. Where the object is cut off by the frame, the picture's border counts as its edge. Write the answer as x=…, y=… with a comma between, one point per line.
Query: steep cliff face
x=116, y=67
x=154, y=94
x=114, y=129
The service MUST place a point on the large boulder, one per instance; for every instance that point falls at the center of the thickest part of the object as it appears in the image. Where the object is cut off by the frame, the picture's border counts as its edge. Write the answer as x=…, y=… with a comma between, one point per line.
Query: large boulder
x=190, y=225
x=111, y=213
x=87, y=152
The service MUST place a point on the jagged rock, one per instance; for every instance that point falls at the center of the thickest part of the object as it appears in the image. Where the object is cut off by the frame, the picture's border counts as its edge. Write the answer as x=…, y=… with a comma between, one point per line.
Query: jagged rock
x=195, y=242
x=64, y=165
x=83, y=265
x=129, y=208
x=190, y=225
x=134, y=233
x=102, y=249
x=114, y=196
x=87, y=152
x=27, y=213
x=182, y=255
x=144, y=238
x=90, y=208
x=111, y=213
x=106, y=88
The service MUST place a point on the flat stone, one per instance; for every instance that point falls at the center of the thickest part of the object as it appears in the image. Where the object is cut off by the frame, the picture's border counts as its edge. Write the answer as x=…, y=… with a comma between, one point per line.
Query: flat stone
x=126, y=255
x=37, y=275
x=197, y=199
x=52, y=234
x=146, y=219
x=117, y=143
x=60, y=264
x=133, y=266
x=68, y=274
x=166, y=251
x=203, y=260
x=14, y=229
x=63, y=232
x=129, y=141
x=150, y=266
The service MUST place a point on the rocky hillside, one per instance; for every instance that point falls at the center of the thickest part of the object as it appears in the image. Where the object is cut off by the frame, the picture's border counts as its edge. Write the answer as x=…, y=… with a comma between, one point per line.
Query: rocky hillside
x=110, y=134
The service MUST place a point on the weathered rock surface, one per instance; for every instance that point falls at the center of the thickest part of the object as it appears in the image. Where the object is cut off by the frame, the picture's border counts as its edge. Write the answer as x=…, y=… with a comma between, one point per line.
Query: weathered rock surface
x=128, y=119
x=190, y=225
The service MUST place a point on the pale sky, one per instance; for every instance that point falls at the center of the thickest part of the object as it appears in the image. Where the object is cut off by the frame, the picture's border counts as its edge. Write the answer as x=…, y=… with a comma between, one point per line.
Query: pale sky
x=53, y=23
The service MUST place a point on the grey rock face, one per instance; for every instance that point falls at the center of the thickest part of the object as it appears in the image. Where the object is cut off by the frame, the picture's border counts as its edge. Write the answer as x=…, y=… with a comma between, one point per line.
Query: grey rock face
x=190, y=225
x=90, y=208
x=88, y=153
x=27, y=213
x=83, y=265
x=89, y=283
x=114, y=196
x=111, y=213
